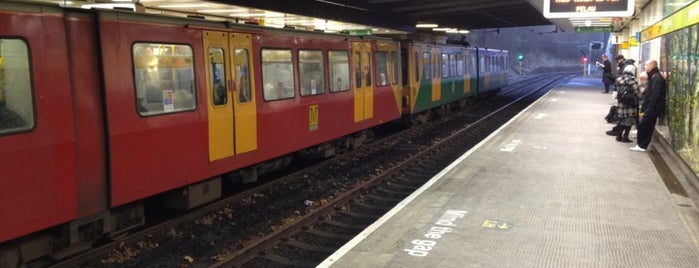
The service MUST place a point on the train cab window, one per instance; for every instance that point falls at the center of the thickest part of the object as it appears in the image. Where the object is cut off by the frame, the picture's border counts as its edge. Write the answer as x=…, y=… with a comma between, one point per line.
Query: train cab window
x=242, y=75
x=427, y=66
x=445, y=65
x=16, y=105
x=219, y=92
x=277, y=74
x=339, y=70
x=164, y=78
x=395, y=68
x=311, y=74
x=381, y=70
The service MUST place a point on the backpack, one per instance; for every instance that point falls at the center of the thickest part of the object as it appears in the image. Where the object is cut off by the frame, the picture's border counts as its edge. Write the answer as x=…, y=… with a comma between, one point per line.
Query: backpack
x=627, y=97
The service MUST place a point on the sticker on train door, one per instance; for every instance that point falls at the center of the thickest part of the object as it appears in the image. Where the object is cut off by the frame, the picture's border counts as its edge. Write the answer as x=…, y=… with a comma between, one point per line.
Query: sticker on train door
x=313, y=117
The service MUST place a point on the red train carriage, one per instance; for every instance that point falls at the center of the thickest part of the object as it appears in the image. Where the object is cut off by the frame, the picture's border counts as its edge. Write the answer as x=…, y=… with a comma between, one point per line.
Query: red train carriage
x=113, y=107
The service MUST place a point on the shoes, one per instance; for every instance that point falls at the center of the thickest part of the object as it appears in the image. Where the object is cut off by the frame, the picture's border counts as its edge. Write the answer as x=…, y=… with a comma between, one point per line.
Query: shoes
x=611, y=133
x=626, y=141
x=637, y=149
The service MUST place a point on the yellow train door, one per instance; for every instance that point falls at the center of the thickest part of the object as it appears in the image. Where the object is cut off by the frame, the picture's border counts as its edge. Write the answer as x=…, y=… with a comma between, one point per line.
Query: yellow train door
x=232, y=120
x=363, y=84
x=245, y=108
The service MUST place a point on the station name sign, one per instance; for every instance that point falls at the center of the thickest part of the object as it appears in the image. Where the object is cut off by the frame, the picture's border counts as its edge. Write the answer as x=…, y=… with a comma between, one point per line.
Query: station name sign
x=587, y=8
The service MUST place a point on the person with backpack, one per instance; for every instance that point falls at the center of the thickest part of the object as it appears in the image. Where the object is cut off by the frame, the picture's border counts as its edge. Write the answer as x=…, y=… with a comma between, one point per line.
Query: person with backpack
x=653, y=106
x=627, y=102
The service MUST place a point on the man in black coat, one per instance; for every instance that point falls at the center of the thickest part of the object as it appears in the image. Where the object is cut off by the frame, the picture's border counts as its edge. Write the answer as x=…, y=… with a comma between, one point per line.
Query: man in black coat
x=653, y=106
x=607, y=77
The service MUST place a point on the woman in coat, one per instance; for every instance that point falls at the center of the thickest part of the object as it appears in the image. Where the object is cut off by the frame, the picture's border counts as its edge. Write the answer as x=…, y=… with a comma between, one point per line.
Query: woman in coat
x=627, y=98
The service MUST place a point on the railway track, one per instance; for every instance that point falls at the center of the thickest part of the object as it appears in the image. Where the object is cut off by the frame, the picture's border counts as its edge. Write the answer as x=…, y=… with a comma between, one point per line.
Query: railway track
x=302, y=218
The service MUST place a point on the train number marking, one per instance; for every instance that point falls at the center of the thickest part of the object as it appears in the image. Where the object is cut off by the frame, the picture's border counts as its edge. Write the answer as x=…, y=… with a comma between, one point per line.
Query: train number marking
x=313, y=117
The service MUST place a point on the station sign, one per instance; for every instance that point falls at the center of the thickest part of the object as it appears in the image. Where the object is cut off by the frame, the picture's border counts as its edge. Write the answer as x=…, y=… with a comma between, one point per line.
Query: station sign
x=595, y=29
x=588, y=8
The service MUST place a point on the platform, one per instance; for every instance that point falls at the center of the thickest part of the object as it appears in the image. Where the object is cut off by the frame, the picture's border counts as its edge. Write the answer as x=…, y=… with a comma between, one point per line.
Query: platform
x=548, y=189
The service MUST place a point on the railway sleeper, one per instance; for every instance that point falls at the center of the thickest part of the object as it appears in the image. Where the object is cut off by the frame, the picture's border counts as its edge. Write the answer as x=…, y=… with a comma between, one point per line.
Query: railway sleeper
x=309, y=247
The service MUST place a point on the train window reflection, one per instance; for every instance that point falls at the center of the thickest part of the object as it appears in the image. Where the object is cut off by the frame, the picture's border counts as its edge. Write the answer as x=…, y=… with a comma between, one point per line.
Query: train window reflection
x=16, y=104
x=311, y=74
x=339, y=70
x=277, y=74
x=164, y=78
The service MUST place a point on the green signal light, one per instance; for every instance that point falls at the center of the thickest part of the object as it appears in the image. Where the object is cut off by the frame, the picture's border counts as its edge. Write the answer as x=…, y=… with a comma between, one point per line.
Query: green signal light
x=520, y=57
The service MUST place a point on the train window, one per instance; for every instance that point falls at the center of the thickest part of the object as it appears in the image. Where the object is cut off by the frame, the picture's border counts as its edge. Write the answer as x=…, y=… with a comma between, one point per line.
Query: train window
x=277, y=74
x=357, y=70
x=242, y=75
x=311, y=74
x=396, y=67
x=460, y=64
x=452, y=65
x=366, y=59
x=445, y=65
x=219, y=92
x=382, y=63
x=436, y=66
x=427, y=68
x=417, y=67
x=164, y=78
x=16, y=105
x=339, y=70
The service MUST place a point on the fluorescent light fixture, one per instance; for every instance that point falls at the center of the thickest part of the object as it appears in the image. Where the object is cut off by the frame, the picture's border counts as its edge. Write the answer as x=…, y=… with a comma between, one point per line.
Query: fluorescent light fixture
x=426, y=25
x=464, y=31
x=110, y=6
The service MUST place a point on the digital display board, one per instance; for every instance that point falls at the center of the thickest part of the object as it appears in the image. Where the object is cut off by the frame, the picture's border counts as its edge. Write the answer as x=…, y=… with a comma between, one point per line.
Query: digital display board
x=587, y=8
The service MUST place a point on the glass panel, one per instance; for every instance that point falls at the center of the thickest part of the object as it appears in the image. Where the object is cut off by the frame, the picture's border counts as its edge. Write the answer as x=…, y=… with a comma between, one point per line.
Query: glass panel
x=339, y=70
x=277, y=74
x=366, y=59
x=445, y=65
x=427, y=66
x=311, y=74
x=243, y=75
x=357, y=70
x=16, y=104
x=164, y=77
x=381, y=58
x=417, y=67
x=219, y=92
x=396, y=67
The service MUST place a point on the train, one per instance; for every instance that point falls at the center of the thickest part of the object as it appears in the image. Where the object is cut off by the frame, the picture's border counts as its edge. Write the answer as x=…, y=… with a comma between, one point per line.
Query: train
x=101, y=110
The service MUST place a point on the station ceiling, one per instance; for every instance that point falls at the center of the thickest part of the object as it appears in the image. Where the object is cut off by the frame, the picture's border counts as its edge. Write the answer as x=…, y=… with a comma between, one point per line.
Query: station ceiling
x=404, y=14
x=383, y=16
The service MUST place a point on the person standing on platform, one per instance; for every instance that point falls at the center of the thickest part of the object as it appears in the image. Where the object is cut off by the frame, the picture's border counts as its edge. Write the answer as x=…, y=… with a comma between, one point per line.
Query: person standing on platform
x=627, y=101
x=607, y=77
x=653, y=106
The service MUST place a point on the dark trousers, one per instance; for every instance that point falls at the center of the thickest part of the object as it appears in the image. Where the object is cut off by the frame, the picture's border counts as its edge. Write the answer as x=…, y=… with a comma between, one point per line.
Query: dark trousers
x=645, y=130
x=606, y=86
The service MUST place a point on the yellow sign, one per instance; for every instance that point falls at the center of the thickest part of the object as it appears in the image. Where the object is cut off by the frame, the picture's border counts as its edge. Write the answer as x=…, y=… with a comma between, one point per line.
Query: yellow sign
x=313, y=117
x=624, y=45
x=683, y=18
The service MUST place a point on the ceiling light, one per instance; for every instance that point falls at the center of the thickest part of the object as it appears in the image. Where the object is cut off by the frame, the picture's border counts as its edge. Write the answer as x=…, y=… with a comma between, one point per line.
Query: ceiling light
x=426, y=25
